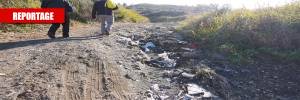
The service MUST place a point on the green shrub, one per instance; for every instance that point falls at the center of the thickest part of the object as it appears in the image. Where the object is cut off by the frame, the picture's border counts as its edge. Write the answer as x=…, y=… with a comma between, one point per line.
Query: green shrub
x=128, y=15
x=20, y=3
x=249, y=30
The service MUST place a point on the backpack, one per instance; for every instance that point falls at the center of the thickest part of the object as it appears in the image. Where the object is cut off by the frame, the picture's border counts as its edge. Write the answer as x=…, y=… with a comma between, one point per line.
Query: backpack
x=110, y=4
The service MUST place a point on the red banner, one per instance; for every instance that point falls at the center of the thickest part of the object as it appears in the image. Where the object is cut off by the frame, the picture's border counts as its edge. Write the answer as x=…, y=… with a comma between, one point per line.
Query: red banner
x=32, y=15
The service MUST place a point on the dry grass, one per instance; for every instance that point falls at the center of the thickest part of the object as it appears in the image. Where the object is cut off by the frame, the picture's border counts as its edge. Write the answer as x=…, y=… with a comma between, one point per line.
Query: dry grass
x=248, y=32
x=129, y=15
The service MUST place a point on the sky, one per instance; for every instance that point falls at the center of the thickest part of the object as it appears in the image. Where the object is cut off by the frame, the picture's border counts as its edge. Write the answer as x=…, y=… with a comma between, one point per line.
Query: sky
x=250, y=4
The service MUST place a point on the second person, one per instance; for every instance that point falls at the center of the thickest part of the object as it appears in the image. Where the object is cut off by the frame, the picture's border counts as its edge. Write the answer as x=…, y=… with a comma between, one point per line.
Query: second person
x=104, y=12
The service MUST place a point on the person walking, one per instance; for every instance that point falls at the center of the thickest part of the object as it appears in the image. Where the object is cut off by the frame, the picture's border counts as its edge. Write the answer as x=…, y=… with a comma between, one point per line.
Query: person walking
x=103, y=10
x=66, y=25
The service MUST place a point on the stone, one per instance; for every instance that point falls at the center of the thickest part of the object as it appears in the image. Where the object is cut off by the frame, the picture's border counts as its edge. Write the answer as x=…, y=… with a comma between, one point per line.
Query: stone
x=2, y=74
x=188, y=75
x=129, y=77
x=195, y=90
x=155, y=87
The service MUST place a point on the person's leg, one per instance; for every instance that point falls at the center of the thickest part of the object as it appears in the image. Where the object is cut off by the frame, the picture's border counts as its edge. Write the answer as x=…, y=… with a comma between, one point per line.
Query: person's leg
x=110, y=21
x=102, y=21
x=66, y=27
x=52, y=30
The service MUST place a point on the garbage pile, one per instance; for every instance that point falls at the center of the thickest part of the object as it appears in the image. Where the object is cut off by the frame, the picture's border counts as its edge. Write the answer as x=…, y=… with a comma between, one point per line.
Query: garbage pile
x=156, y=92
x=169, y=53
x=159, y=57
x=191, y=92
x=128, y=41
x=148, y=46
x=195, y=92
x=163, y=61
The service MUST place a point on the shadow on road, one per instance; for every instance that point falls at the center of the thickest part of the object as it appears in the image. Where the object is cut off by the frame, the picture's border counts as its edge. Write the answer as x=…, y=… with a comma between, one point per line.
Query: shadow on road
x=11, y=45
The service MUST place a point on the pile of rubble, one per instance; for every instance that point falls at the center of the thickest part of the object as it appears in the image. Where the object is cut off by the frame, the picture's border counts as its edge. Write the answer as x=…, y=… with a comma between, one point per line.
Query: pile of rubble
x=173, y=56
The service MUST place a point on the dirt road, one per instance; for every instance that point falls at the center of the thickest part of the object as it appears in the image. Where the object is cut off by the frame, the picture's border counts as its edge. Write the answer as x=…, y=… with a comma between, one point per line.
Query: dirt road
x=80, y=68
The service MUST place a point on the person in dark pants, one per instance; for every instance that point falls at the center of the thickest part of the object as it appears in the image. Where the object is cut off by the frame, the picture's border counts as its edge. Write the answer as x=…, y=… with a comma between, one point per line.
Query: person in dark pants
x=66, y=25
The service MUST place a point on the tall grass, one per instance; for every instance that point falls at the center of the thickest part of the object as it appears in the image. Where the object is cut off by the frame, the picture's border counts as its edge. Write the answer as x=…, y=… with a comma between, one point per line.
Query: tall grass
x=20, y=3
x=246, y=33
x=129, y=15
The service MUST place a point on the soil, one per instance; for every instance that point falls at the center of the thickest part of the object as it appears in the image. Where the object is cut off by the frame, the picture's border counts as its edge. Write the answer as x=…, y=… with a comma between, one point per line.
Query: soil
x=88, y=66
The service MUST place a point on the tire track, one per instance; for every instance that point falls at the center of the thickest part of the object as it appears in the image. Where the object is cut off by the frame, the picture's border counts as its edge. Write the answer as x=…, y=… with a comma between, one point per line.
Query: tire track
x=71, y=69
x=115, y=87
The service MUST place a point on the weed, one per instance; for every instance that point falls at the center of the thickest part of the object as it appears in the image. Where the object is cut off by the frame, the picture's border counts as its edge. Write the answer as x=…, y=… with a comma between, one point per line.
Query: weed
x=240, y=33
x=128, y=15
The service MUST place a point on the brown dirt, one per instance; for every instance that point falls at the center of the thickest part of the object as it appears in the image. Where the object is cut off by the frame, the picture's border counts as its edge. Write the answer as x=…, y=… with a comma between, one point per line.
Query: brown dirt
x=79, y=68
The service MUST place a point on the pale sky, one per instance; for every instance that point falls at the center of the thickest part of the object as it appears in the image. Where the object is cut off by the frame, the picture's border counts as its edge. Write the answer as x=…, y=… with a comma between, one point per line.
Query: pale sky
x=234, y=3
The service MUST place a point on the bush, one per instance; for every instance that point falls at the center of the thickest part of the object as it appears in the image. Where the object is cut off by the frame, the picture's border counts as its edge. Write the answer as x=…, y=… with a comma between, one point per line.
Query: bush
x=249, y=30
x=20, y=3
x=128, y=15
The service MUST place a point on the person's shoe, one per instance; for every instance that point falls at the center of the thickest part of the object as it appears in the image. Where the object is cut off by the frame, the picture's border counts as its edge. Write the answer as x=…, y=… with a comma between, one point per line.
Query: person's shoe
x=107, y=32
x=66, y=36
x=51, y=36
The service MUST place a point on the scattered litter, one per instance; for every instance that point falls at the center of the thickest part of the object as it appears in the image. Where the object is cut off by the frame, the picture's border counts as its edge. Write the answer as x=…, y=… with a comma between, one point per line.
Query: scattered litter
x=170, y=31
x=124, y=40
x=137, y=36
x=197, y=91
x=148, y=46
x=188, y=49
x=128, y=41
x=137, y=66
x=168, y=79
x=152, y=95
x=182, y=42
x=129, y=77
x=143, y=74
x=187, y=97
x=187, y=75
x=162, y=87
x=180, y=93
x=167, y=73
x=194, y=46
x=2, y=74
x=156, y=93
x=149, y=95
x=163, y=61
x=144, y=56
x=155, y=87
x=163, y=55
x=164, y=97
x=166, y=61
x=147, y=50
x=134, y=43
x=119, y=62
